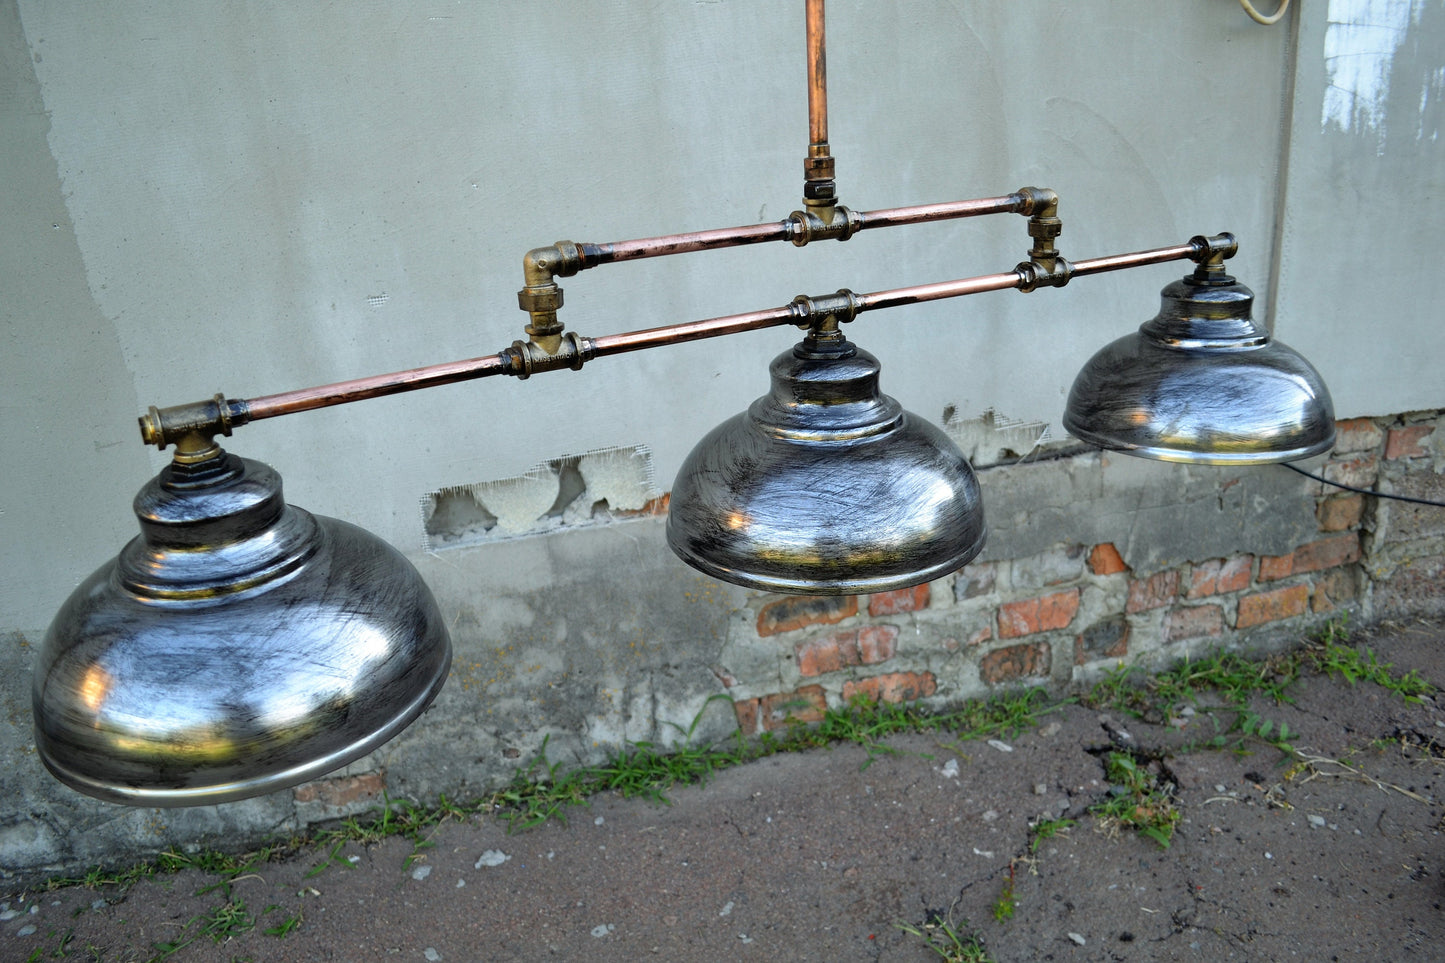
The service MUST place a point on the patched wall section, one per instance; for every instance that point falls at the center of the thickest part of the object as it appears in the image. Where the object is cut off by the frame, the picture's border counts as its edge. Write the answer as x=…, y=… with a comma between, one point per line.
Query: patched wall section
x=570, y=491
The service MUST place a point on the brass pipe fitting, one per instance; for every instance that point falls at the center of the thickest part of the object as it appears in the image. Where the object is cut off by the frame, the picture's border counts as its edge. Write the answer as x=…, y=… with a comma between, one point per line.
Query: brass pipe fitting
x=823, y=315
x=1053, y=272
x=1211, y=253
x=834, y=222
x=191, y=427
x=542, y=297
x=1042, y=207
x=525, y=358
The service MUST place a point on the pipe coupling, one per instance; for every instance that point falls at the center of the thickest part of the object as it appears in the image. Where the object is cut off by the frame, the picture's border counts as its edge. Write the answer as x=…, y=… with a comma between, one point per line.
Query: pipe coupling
x=525, y=358
x=1053, y=272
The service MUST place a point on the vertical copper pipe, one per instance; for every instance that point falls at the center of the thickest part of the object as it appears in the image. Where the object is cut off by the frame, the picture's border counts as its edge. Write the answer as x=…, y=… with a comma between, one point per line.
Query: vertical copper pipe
x=817, y=81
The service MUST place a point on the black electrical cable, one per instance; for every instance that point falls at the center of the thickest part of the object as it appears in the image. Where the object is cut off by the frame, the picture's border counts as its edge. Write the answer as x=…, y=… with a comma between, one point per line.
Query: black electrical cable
x=1363, y=491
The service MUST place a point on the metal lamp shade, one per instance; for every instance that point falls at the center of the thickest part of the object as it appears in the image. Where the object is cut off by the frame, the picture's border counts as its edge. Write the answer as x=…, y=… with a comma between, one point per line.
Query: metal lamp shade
x=826, y=486
x=238, y=646
x=1202, y=383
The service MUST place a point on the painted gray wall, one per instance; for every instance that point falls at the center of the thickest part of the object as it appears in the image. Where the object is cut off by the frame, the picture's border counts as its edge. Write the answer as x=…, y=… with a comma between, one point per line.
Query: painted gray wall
x=259, y=197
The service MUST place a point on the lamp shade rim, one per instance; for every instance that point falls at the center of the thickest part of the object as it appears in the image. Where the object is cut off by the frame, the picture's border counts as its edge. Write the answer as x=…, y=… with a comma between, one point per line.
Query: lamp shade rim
x=813, y=585
x=168, y=797
x=1188, y=456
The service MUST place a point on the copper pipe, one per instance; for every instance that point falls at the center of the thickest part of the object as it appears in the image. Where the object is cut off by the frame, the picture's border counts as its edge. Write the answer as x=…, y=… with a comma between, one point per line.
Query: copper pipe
x=222, y=414
x=376, y=386
x=695, y=330
x=1118, y=262
x=935, y=292
x=723, y=237
x=594, y=254
x=413, y=379
x=923, y=213
x=817, y=80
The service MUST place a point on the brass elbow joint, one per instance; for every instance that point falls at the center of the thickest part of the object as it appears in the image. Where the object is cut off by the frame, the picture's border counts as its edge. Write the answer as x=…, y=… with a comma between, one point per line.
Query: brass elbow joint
x=541, y=298
x=1042, y=207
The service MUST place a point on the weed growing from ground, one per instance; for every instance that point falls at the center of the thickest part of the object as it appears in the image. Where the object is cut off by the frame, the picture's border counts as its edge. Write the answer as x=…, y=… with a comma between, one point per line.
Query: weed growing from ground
x=948, y=942
x=1047, y=829
x=1004, y=906
x=1137, y=800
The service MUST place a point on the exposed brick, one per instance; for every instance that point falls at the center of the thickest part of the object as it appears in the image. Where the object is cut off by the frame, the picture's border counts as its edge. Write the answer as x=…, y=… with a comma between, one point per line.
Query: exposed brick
x=1054, y=611
x=899, y=601
x=799, y=611
x=838, y=650
x=1357, y=434
x=1340, y=513
x=1154, y=592
x=1405, y=442
x=1055, y=566
x=1334, y=588
x=1281, y=603
x=806, y=704
x=343, y=790
x=1106, y=560
x=747, y=712
x=1219, y=576
x=1108, y=639
x=1327, y=553
x=1356, y=472
x=893, y=687
x=1015, y=662
x=1193, y=622
x=974, y=581
x=981, y=636
x=1272, y=567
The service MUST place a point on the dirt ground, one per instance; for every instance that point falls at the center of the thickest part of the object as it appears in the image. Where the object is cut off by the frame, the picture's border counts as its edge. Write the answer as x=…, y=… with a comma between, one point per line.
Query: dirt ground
x=817, y=856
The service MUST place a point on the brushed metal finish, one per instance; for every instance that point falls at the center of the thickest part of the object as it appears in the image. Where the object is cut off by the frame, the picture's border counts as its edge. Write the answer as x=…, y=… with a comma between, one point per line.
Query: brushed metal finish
x=1202, y=383
x=826, y=486
x=238, y=646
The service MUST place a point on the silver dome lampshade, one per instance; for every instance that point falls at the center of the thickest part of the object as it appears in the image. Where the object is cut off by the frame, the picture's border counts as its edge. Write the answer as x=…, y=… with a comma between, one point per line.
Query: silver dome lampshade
x=826, y=486
x=238, y=646
x=1203, y=383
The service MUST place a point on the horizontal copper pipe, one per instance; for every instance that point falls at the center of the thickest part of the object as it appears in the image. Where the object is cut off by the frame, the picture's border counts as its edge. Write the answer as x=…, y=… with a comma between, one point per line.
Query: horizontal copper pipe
x=666, y=244
x=897, y=216
x=938, y=291
x=307, y=399
x=1118, y=262
x=695, y=330
x=594, y=254
x=376, y=386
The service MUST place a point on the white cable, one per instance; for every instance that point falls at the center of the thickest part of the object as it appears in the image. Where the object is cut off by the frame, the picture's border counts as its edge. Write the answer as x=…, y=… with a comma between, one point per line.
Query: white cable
x=1258, y=17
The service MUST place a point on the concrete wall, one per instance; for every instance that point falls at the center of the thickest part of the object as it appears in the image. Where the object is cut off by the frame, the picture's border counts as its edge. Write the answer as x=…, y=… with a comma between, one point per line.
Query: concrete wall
x=256, y=197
